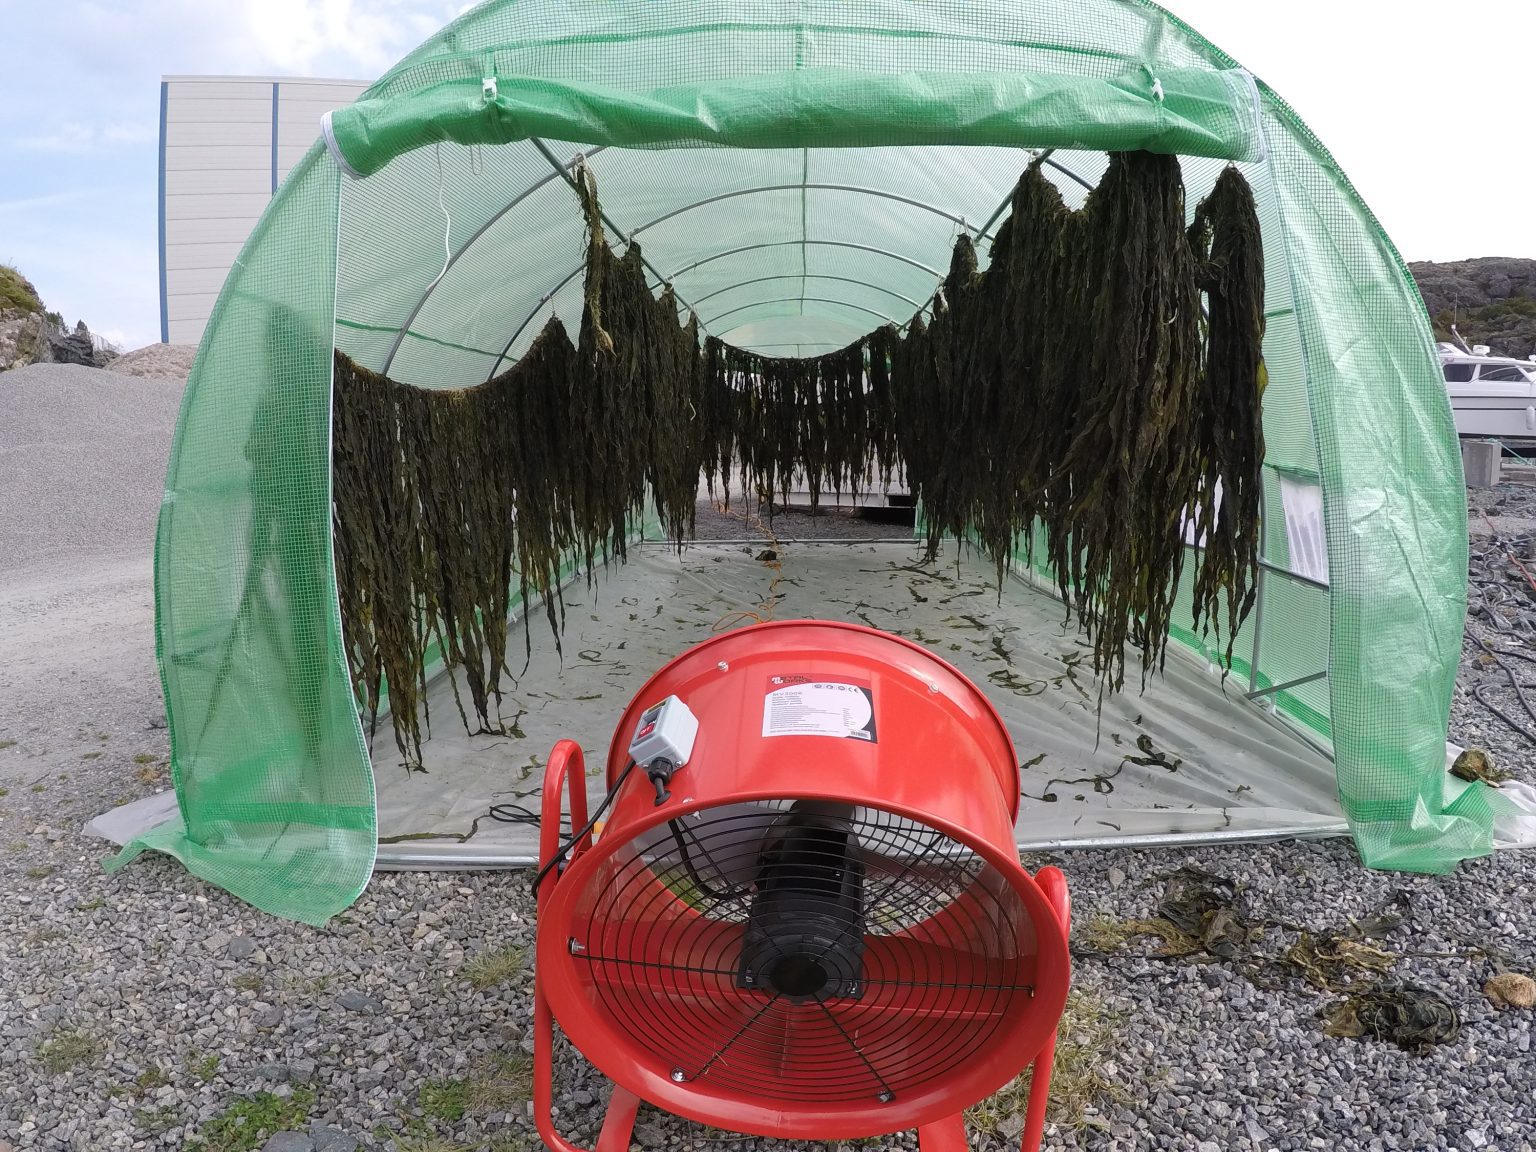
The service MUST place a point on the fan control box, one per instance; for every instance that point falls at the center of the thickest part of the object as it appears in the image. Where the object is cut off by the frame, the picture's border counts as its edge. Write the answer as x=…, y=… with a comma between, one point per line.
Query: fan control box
x=666, y=731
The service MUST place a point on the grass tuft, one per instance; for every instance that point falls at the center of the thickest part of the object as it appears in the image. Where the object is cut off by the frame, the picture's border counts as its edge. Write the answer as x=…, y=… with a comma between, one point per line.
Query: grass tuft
x=1081, y=1077
x=487, y=969
x=502, y=1083
x=156, y=1121
x=247, y=1123
x=445, y=1100
x=66, y=1050
x=151, y=1078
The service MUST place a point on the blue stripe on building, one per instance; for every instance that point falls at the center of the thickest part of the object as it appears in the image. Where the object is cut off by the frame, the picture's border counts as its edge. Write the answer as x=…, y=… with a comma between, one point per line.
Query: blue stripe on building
x=275, y=88
x=165, y=311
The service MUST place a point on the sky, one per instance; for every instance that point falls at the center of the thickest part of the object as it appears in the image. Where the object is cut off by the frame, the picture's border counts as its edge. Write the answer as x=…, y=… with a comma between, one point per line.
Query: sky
x=1429, y=107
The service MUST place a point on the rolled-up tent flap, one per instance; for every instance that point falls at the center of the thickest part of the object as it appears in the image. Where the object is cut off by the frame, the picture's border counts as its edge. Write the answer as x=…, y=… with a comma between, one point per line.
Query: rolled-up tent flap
x=1190, y=112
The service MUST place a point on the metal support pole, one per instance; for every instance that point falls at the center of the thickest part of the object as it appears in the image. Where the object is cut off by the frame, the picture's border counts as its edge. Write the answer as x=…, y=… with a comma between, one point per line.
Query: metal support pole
x=1276, y=689
x=1258, y=591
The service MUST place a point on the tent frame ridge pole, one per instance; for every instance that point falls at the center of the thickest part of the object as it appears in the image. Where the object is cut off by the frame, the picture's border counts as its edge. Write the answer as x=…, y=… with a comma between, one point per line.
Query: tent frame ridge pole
x=405, y=328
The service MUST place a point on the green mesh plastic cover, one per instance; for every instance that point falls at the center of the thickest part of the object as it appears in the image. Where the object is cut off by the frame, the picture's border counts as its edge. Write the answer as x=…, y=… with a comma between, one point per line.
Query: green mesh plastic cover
x=800, y=170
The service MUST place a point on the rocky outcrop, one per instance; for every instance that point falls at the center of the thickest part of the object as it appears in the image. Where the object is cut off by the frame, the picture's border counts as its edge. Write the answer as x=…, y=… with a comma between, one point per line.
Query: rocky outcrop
x=79, y=347
x=23, y=336
x=1490, y=301
x=42, y=338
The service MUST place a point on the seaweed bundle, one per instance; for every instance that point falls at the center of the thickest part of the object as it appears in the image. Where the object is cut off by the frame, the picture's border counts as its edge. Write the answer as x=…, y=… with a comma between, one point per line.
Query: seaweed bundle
x=1228, y=506
x=1078, y=384
x=828, y=420
x=445, y=500
x=1133, y=457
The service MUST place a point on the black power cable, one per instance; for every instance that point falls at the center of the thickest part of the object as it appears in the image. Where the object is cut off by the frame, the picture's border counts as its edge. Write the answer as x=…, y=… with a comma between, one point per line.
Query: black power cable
x=564, y=850
x=735, y=893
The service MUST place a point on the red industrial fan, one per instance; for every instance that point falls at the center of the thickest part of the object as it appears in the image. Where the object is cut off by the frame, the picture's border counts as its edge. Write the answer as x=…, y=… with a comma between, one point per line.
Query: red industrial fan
x=805, y=917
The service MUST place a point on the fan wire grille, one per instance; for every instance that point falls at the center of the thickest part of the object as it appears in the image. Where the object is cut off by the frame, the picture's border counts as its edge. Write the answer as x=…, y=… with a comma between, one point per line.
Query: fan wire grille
x=805, y=952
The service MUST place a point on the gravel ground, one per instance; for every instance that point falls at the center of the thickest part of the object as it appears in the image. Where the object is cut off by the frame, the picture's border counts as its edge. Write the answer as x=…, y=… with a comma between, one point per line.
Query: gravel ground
x=1499, y=651
x=148, y=1010
x=82, y=464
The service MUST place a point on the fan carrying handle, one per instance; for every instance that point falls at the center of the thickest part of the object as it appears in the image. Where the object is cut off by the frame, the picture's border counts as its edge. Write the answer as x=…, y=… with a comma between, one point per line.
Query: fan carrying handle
x=567, y=769
x=1054, y=885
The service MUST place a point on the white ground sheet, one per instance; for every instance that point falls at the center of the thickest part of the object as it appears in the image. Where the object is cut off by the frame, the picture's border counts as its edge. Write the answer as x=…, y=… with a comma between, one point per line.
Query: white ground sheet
x=1223, y=769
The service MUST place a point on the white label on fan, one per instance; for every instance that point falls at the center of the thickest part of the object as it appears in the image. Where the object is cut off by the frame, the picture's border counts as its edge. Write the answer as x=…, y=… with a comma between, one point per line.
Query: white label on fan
x=801, y=705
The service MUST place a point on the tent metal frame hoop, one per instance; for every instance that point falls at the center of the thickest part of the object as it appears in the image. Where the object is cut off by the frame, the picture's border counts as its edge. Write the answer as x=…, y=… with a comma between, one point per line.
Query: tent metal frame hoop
x=811, y=276
x=918, y=264
x=575, y=272
x=405, y=328
x=662, y=278
x=563, y=170
x=715, y=199
x=802, y=299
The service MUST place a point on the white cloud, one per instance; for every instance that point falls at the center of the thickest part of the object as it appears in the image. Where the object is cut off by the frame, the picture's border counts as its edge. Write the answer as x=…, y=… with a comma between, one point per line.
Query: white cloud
x=81, y=136
x=298, y=35
x=50, y=201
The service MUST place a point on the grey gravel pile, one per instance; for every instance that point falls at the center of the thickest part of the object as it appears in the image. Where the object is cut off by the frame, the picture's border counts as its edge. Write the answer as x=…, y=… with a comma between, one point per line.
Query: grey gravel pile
x=170, y=361
x=147, y=1010
x=82, y=462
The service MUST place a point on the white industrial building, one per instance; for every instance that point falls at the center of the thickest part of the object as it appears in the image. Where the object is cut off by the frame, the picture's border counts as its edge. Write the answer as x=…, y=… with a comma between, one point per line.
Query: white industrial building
x=226, y=142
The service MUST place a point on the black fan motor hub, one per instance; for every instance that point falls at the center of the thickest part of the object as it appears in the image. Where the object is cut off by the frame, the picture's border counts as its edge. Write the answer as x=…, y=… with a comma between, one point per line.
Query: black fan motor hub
x=805, y=927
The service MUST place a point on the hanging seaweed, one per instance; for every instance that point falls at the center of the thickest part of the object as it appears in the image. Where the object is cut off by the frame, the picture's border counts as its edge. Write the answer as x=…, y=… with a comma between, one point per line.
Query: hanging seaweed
x=1073, y=393
x=377, y=533
x=536, y=440
x=445, y=500
x=827, y=421
x=1229, y=251
x=719, y=417
x=1068, y=385
x=1133, y=460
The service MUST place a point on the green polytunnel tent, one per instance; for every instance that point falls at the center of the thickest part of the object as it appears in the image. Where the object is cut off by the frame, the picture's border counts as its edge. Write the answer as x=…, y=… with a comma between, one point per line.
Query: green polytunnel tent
x=799, y=171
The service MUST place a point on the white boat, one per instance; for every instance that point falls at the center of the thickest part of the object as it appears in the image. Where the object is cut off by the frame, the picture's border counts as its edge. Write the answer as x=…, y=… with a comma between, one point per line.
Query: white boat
x=1490, y=395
